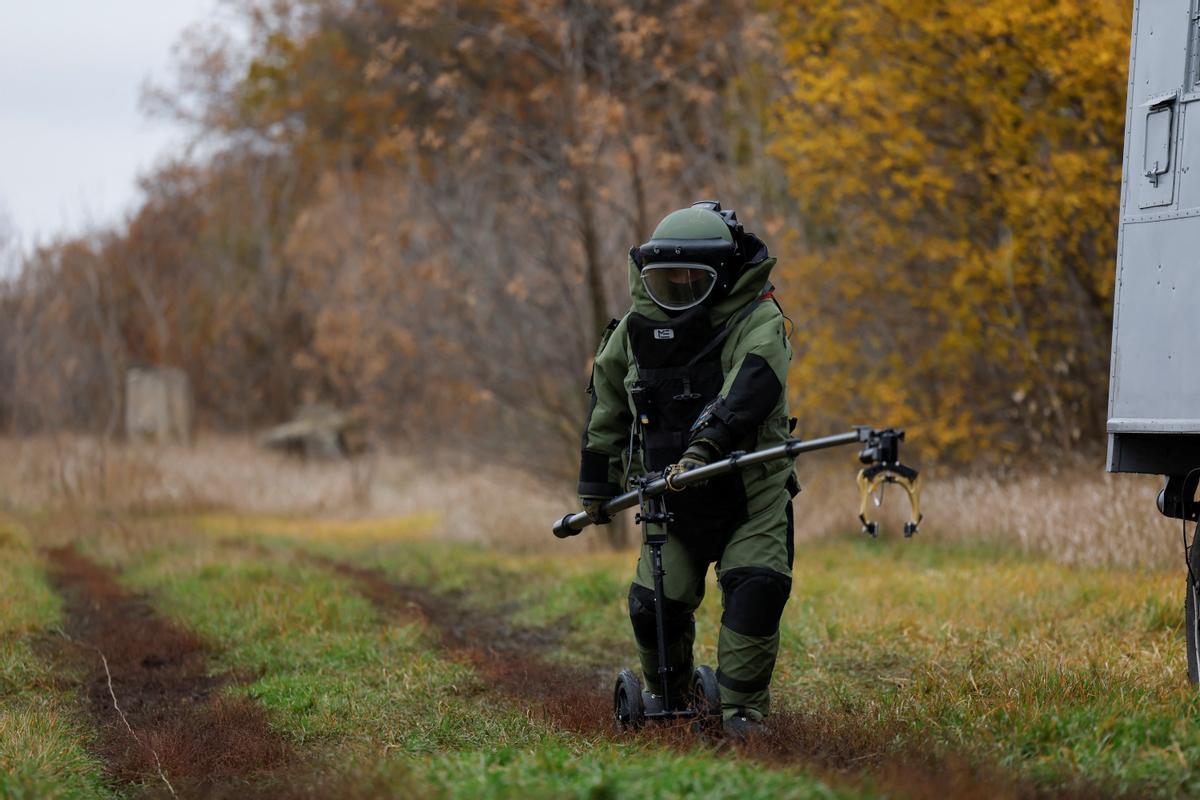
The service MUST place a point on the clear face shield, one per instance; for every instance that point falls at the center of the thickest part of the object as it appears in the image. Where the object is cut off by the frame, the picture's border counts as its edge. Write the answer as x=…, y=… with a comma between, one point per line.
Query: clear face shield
x=677, y=287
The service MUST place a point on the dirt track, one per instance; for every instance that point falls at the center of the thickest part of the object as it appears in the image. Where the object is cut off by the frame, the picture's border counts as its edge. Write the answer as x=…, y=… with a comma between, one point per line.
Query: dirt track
x=160, y=718
x=173, y=726
x=512, y=660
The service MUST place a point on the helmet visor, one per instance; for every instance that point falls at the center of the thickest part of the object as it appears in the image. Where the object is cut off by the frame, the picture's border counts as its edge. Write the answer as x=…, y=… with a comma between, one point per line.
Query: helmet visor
x=678, y=286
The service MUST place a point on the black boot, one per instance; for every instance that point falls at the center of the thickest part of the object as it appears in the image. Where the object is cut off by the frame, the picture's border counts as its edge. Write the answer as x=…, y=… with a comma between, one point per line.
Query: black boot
x=745, y=726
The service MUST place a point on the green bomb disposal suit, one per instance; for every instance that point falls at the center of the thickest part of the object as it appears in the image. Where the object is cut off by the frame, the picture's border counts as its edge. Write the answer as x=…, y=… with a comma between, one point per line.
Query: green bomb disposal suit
x=663, y=380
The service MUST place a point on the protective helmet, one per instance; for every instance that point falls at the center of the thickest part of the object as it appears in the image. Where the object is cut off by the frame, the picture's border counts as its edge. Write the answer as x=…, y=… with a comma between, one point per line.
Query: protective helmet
x=694, y=256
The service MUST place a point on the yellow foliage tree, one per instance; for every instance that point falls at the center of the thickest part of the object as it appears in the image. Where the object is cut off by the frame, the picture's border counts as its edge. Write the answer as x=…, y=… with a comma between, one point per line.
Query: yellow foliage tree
x=959, y=166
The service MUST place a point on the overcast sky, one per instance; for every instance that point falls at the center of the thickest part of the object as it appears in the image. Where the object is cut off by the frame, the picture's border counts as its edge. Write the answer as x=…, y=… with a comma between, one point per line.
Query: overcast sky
x=72, y=140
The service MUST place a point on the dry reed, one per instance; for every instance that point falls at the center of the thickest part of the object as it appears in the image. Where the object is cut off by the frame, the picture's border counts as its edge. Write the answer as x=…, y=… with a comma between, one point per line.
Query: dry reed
x=1076, y=515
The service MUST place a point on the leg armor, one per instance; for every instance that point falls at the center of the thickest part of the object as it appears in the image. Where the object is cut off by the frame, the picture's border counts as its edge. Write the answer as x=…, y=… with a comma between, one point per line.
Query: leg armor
x=749, y=641
x=680, y=628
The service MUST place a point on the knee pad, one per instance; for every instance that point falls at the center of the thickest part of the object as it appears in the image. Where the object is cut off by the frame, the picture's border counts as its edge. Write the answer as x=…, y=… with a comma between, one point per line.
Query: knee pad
x=677, y=618
x=754, y=600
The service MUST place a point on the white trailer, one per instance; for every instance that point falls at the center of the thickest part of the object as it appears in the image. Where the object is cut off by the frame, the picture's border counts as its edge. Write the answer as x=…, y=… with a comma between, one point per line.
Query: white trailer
x=1154, y=384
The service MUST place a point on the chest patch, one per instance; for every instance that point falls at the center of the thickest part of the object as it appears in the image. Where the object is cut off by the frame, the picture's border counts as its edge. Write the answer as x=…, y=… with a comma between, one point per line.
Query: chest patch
x=669, y=343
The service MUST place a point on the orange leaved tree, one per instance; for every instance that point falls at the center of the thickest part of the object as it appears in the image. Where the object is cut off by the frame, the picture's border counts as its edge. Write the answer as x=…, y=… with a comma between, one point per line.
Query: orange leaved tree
x=959, y=165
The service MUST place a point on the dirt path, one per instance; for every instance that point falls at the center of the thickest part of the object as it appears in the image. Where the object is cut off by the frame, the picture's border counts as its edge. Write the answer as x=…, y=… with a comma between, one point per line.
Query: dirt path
x=842, y=751
x=160, y=717
x=510, y=659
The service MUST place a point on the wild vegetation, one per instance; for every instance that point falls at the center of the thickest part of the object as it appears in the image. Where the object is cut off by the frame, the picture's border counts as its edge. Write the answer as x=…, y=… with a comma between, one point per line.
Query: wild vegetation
x=400, y=207
x=384, y=660
x=420, y=212
x=962, y=163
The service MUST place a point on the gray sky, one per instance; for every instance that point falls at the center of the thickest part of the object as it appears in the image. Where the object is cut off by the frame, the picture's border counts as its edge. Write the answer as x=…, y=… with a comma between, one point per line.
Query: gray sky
x=72, y=140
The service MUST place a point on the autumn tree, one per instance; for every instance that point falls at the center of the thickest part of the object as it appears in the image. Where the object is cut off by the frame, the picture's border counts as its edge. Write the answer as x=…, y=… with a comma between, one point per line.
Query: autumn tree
x=63, y=341
x=422, y=211
x=494, y=161
x=959, y=168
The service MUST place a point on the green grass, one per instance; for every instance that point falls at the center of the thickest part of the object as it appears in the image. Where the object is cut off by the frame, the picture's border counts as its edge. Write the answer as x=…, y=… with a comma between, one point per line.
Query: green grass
x=43, y=732
x=555, y=769
x=1058, y=673
x=339, y=677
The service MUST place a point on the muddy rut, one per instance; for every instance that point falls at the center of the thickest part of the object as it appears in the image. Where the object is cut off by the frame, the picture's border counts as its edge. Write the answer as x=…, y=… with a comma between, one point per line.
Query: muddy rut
x=508, y=658
x=842, y=751
x=159, y=714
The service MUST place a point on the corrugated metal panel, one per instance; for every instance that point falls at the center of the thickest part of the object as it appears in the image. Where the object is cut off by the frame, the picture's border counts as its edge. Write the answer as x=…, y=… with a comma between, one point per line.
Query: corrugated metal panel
x=1154, y=388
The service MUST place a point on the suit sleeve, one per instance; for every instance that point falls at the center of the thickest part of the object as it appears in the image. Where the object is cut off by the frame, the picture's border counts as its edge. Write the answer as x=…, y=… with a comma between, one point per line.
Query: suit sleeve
x=606, y=429
x=753, y=388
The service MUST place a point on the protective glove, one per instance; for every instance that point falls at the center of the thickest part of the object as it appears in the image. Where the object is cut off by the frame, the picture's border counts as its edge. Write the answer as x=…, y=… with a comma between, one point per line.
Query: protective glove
x=700, y=452
x=591, y=507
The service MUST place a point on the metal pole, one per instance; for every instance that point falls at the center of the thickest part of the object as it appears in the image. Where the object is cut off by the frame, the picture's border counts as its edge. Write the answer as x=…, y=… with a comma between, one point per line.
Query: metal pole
x=660, y=611
x=572, y=524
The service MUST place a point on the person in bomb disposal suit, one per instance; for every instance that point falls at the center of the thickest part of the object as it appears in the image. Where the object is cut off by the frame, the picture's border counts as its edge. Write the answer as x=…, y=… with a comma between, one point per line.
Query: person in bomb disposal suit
x=695, y=370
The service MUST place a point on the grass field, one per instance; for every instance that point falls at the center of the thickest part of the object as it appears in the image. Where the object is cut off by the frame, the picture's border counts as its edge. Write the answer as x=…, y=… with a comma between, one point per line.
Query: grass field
x=326, y=658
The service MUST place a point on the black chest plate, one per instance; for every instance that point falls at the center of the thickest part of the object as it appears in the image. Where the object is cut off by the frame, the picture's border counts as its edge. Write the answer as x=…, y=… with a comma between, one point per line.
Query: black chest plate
x=677, y=377
x=672, y=343
x=679, y=373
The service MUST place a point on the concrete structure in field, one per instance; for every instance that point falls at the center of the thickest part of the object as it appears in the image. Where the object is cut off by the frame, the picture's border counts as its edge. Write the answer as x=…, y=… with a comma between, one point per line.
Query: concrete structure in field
x=1154, y=386
x=158, y=405
x=318, y=431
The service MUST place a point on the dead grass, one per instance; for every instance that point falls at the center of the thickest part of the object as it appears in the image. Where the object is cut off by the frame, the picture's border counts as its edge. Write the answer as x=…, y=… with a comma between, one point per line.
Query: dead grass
x=1077, y=514
x=218, y=472
x=457, y=498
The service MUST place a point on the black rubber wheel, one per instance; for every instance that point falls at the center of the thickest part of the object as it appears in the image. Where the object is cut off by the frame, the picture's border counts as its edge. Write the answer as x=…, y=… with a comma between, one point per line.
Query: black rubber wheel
x=627, y=701
x=1189, y=615
x=706, y=698
x=1191, y=619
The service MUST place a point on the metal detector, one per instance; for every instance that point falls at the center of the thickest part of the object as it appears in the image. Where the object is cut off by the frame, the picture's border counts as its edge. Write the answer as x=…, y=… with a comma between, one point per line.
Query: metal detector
x=880, y=454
